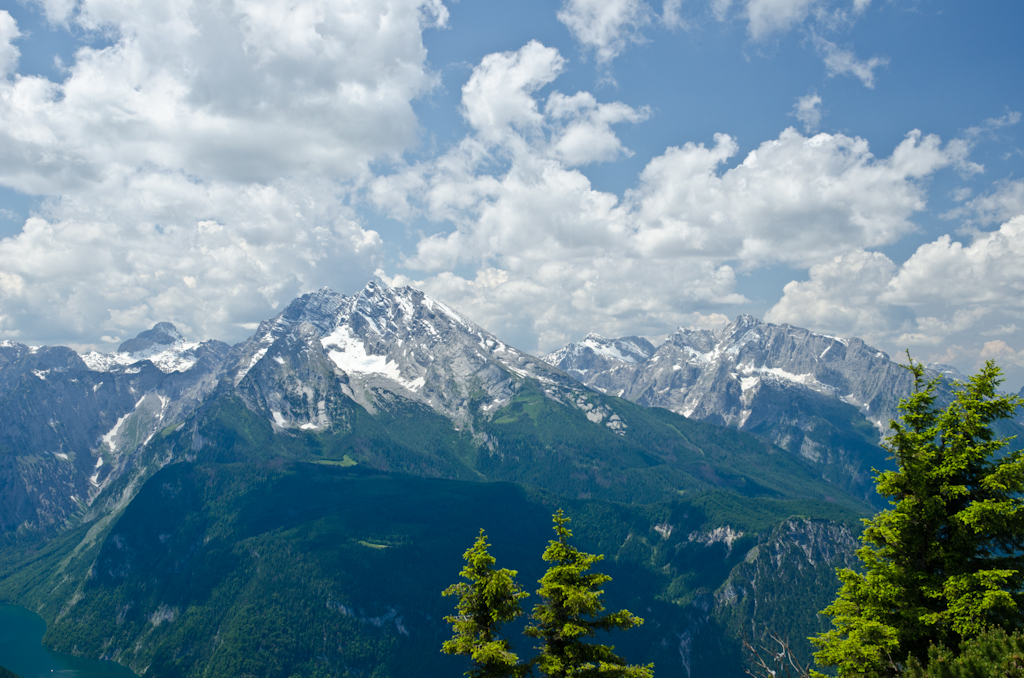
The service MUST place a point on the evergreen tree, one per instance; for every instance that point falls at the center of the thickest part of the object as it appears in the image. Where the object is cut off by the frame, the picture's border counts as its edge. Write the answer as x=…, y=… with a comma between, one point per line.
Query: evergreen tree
x=570, y=612
x=993, y=654
x=946, y=561
x=489, y=599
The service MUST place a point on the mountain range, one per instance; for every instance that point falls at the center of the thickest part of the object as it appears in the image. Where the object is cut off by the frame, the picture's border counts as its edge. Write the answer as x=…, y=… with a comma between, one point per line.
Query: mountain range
x=146, y=491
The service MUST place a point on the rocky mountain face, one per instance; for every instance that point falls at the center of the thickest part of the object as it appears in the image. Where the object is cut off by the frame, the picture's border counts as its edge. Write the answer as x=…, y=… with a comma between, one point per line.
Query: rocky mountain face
x=305, y=369
x=400, y=341
x=784, y=581
x=70, y=424
x=717, y=375
x=824, y=398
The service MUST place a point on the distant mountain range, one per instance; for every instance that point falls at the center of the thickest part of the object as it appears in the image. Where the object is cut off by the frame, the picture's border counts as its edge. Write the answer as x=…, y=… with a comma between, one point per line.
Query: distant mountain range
x=711, y=459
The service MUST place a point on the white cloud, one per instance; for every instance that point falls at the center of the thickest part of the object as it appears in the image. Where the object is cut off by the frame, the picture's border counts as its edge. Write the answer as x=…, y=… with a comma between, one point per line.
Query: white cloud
x=1005, y=202
x=9, y=54
x=497, y=100
x=243, y=92
x=840, y=297
x=769, y=16
x=839, y=61
x=989, y=127
x=585, y=134
x=940, y=294
x=607, y=26
x=1002, y=353
x=571, y=258
x=988, y=272
x=115, y=267
x=807, y=110
x=197, y=168
x=794, y=199
x=765, y=18
x=671, y=16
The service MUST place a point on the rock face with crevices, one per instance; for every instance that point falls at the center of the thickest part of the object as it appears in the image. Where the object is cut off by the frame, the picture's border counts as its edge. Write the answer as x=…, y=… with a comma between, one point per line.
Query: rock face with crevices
x=827, y=399
x=784, y=581
x=398, y=340
x=717, y=375
x=295, y=384
x=71, y=424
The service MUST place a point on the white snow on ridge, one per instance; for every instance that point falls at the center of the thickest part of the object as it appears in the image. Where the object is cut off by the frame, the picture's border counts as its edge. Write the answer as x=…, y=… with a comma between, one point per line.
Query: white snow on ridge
x=95, y=477
x=348, y=352
x=108, y=438
x=608, y=350
x=177, y=357
x=803, y=379
x=844, y=342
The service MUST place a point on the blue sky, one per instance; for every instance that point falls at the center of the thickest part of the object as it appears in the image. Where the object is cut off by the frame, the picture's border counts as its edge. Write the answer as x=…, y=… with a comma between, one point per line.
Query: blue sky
x=550, y=168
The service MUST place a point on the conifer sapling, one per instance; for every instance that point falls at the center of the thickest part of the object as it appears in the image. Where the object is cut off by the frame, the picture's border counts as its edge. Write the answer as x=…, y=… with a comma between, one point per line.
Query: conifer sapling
x=487, y=600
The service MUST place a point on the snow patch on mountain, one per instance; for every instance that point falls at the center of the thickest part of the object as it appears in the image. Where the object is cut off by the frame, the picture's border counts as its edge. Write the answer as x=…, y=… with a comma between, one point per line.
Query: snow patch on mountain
x=179, y=357
x=400, y=340
x=162, y=345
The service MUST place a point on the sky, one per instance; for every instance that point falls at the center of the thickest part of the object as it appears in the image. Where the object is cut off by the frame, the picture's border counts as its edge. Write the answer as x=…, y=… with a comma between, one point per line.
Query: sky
x=550, y=168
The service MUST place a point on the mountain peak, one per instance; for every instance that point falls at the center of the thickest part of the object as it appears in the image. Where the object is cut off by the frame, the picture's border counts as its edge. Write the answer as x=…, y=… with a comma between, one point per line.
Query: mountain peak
x=163, y=333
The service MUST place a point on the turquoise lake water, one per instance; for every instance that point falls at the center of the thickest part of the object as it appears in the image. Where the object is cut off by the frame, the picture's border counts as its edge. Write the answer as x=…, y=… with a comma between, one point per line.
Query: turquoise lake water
x=22, y=630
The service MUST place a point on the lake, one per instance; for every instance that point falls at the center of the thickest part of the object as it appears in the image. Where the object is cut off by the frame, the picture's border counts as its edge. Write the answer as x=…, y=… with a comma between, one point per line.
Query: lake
x=21, y=651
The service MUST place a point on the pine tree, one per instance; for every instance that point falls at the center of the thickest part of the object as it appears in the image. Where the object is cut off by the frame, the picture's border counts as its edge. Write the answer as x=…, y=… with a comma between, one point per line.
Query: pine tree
x=570, y=612
x=993, y=654
x=946, y=561
x=489, y=599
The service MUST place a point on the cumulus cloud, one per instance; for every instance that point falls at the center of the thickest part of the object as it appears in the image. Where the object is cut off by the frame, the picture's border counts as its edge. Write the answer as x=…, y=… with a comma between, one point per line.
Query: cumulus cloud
x=529, y=232
x=583, y=133
x=840, y=295
x=242, y=92
x=938, y=295
x=9, y=54
x=768, y=16
x=807, y=110
x=497, y=99
x=839, y=61
x=85, y=268
x=1002, y=353
x=608, y=26
x=1005, y=202
x=793, y=200
x=987, y=272
x=200, y=163
x=765, y=18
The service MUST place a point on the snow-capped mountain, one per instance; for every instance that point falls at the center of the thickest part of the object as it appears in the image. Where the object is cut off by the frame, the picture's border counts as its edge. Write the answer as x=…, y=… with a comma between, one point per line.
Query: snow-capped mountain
x=76, y=423
x=163, y=346
x=400, y=341
x=71, y=424
x=809, y=393
x=716, y=375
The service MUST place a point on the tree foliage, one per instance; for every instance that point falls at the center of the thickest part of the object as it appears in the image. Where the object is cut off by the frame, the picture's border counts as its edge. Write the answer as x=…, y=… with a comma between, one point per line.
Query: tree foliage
x=570, y=612
x=946, y=562
x=992, y=654
x=568, y=615
x=487, y=600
